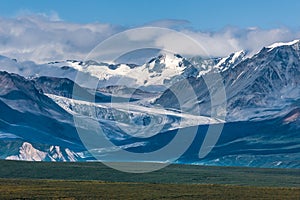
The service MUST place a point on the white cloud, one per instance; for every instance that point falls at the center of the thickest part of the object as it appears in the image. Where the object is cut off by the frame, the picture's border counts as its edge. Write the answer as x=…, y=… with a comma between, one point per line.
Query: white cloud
x=232, y=39
x=42, y=38
x=180, y=43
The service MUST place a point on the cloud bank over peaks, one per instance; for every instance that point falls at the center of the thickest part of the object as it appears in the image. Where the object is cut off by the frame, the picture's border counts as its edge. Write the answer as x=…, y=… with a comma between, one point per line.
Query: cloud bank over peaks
x=232, y=39
x=41, y=38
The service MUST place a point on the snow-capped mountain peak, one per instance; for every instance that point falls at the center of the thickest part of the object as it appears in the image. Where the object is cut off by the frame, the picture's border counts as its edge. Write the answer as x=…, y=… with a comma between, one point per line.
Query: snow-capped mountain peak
x=231, y=60
x=155, y=72
x=223, y=64
x=168, y=60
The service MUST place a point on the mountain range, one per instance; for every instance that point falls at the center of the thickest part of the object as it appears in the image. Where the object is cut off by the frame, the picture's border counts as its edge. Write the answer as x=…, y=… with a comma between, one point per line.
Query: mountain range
x=137, y=110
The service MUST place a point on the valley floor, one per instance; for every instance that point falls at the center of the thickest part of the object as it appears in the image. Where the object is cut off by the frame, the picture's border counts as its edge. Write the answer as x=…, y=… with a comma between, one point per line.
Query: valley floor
x=44, y=180
x=61, y=189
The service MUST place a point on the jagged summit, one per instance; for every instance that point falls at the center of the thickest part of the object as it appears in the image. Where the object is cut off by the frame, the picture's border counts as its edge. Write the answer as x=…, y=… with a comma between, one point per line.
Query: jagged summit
x=231, y=60
x=256, y=87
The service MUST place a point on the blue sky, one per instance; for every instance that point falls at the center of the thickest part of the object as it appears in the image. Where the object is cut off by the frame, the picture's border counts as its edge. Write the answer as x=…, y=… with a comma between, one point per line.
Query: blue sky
x=202, y=14
x=50, y=30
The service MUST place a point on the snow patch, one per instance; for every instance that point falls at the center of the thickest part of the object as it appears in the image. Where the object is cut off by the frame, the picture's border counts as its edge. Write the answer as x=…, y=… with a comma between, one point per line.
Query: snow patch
x=279, y=44
x=29, y=153
x=54, y=153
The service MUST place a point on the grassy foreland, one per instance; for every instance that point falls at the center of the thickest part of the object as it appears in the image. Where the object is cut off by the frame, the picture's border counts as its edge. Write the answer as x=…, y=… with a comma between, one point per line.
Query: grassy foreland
x=95, y=180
